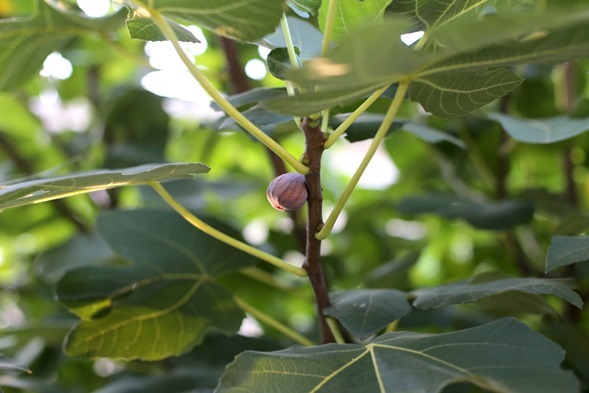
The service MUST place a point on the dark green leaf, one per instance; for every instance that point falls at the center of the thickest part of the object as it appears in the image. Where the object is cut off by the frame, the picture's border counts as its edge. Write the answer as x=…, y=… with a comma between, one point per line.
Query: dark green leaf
x=80, y=250
x=252, y=96
x=364, y=127
x=142, y=28
x=305, y=37
x=162, y=304
x=566, y=250
x=350, y=14
x=502, y=356
x=366, y=311
x=450, y=94
x=278, y=62
x=247, y=21
x=490, y=215
x=467, y=291
x=308, y=102
x=547, y=130
x=42, y=190
x=431, y=135
x=26, y=42
x=393, y=274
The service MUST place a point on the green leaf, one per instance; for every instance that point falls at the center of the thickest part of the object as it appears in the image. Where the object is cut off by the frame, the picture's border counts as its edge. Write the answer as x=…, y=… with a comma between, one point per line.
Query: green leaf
x=243, y=20
x=488, y=215
x=467, y=291
x=162, y=304
x=305, y=37
x=457, y=93
x=428, y=15
x=502, y=356
x=43, y=190
x=278, y=62
x=142, y=28
x=258, y=115
x=310, y=6
x=11, y=366
x=566, y=250
x=26, y=42
x=431, y=135
x=547, y=130
x=366, y=311
x=313, y=102
x=252, y=96
x=365, y=127
x=84, y=249
x=350, y=14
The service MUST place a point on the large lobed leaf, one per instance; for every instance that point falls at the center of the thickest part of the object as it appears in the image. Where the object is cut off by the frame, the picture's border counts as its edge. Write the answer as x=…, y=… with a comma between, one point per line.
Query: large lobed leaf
x=455, y=79
x=503, y=356
x=246, y=20
x=42, y=190
x=161, y=304
x=350, y=14
x=26, y=42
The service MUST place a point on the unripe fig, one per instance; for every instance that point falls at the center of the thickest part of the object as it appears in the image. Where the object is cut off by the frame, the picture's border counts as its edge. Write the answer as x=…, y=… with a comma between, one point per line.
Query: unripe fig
x=287, y=192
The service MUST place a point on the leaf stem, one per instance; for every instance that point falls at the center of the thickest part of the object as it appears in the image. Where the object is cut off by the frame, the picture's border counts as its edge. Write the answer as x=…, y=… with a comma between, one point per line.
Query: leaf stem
x=198, y=223
x=292, y=55
x=328, y=30
x=354, y=116
x=380, y=134
x=250, y=127
x=268, y=320
x=335, y=330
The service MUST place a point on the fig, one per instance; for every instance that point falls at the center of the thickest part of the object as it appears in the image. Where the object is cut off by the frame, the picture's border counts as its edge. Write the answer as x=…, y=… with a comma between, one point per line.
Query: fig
x=287, y=192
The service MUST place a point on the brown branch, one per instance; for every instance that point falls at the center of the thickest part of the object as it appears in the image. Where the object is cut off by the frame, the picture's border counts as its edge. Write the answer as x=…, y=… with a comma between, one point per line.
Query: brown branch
x=26, y=167
x=313, y=152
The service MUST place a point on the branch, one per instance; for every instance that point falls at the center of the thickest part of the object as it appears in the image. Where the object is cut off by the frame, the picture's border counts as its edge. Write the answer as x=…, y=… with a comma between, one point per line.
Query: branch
x=313, y=152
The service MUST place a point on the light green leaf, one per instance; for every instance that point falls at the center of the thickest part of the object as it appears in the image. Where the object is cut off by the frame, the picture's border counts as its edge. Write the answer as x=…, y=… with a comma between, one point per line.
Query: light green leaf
x=313, y=102
x=503, y=356
x=566, y=250
x=244, y=20
x=252, y=96
x=142, y=28
x=26, y=42
x=547, y=130
x=350, y=14
x=42, y=190
x=450, y=94
x=366, y=311
x=310, y=6
x=467, y=292
x=428, y=15
x=164, y=302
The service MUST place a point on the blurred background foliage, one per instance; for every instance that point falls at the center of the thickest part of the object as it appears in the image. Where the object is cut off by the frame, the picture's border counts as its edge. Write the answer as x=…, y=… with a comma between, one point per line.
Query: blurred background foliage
x=107, y=105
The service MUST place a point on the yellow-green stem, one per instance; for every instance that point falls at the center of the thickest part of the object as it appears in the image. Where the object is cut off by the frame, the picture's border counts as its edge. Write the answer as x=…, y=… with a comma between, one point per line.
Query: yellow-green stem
x=209, y=230
x=250, y=127
x=268, y=320
x=391, y=327
x=294, y=60
x=352, y=118
x=380, y=134
x=328, y=30
x=334, y=327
